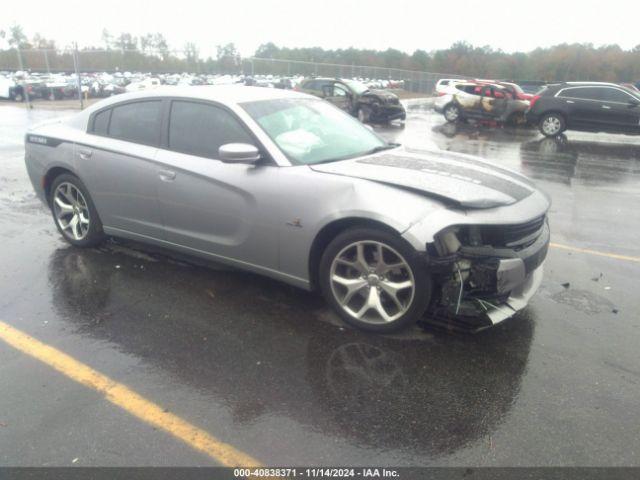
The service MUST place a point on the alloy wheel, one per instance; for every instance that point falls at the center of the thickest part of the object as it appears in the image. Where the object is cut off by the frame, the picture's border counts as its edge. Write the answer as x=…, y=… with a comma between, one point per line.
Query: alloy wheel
x=372, y=282
x=71, y=211
x=551, y=125
x=451, y=113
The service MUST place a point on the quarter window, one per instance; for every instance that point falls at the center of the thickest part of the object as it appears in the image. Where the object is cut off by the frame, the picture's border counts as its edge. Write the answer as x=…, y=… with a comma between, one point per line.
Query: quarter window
x=583, y=93
x=615, y=95
x=137, y=122
x=101, y=122
x=201, y=129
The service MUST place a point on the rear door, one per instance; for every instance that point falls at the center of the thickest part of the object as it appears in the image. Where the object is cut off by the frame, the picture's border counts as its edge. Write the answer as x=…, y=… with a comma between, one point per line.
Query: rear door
x=117, y=165
x=313, y=87
x=584, y=107
x=208, y=205
x=469, y=97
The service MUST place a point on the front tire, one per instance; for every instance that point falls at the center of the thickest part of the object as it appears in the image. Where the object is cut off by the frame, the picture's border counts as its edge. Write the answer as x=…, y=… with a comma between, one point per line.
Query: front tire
x=364, y=114
x=374, y=280
x=552, y=124
x=74, y=213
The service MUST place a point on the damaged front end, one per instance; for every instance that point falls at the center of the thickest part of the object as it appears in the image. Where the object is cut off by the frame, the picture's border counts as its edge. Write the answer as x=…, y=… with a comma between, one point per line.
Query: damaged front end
x=484, y=274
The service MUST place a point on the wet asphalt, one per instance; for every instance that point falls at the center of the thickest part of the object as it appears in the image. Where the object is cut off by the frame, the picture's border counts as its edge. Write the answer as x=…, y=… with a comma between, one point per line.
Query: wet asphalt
x=269, y=370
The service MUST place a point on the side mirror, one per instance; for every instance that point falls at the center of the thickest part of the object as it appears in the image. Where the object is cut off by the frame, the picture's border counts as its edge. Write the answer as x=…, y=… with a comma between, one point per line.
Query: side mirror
x=238, y=153
x=633, y=103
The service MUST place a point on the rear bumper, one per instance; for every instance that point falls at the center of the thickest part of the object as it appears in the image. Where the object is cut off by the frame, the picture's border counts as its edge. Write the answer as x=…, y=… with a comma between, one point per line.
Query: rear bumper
x=531, y=117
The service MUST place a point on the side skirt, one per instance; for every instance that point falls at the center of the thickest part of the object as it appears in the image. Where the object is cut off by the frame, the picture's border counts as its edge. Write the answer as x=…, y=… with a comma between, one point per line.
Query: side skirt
x=267, y=272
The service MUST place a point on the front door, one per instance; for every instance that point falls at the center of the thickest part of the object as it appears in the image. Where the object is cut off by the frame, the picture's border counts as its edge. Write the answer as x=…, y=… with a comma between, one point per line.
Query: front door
x=208, y=205
x=620, y=111
x=339, y=95
x=494, y=102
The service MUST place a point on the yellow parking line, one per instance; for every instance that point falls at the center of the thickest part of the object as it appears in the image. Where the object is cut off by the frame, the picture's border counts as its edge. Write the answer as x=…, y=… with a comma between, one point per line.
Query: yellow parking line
x=595, y=252
x=127, y=399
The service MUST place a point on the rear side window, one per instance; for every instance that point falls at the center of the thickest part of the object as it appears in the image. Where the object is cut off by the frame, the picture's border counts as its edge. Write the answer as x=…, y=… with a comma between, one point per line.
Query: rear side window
x=201, y=129
x=137, y=122
x=583, y=93
x=444, y=82
x=101, y=122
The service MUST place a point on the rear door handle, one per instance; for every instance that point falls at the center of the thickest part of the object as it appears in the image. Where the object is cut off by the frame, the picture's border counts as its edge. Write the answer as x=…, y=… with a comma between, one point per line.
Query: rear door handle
x=570, y=101
x=606, y=107
x=85, y=153
x=167, y=175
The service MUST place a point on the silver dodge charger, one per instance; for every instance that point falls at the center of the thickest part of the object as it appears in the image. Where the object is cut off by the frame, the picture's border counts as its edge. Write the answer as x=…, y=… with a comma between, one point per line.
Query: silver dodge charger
x=287, y=185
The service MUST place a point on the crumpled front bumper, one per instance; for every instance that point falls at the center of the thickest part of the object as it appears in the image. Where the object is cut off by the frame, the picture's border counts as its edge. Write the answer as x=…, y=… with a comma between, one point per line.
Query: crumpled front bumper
x=518, y=297
x=483, y=286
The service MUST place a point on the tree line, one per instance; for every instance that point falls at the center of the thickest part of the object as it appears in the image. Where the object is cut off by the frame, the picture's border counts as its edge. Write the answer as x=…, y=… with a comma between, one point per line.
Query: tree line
x=151, y=52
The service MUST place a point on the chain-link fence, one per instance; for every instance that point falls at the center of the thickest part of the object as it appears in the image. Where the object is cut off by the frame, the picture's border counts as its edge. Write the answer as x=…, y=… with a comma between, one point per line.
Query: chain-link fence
x=71, y=73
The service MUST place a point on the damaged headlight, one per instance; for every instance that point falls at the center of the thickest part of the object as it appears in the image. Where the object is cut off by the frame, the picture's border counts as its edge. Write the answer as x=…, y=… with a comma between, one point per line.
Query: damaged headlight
x=447, y=242
x=451, y=239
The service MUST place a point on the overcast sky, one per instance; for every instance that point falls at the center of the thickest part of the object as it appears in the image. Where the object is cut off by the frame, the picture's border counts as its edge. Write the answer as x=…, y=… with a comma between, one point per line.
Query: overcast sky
x=379, y=24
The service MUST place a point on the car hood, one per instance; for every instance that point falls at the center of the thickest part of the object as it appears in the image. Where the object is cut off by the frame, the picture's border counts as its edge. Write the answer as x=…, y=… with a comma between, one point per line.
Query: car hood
x=464, y=180
x=381, y=94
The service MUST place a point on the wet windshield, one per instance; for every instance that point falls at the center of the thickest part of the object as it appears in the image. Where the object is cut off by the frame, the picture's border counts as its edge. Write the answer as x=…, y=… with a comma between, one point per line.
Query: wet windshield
x=313, y=131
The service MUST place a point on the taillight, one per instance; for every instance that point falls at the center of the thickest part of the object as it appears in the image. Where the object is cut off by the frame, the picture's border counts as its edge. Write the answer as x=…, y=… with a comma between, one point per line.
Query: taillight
x=533, y=100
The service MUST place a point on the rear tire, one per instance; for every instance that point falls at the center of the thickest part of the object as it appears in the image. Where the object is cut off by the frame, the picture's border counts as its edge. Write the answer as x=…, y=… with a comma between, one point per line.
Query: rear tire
x=552, y=124
x=17, y=96
x=374, y=280
x=451, y=113
x=74, y=213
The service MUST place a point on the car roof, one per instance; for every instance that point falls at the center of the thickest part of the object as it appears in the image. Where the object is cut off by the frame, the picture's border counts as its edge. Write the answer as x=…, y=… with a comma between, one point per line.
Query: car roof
x=226, y=94
x=593, y=84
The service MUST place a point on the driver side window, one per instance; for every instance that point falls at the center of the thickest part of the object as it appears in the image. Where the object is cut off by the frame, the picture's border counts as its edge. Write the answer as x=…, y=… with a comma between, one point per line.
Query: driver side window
x=201, y=129
x=339, y=91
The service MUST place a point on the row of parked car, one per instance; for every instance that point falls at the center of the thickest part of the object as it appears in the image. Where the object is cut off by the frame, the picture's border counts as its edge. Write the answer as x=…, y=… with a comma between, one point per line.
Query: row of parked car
x=363, y=98
x=554, y=108
x=16, y=85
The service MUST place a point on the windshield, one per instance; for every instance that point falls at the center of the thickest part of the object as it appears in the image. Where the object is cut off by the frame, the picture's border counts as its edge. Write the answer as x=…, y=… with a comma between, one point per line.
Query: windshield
x=357, y=87
x=312, y=131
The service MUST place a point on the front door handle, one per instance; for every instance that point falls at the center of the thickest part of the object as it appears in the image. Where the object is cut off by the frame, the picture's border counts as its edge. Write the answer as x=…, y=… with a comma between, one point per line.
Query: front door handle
x=606, y=107
x=85, y=153
x=167, y=175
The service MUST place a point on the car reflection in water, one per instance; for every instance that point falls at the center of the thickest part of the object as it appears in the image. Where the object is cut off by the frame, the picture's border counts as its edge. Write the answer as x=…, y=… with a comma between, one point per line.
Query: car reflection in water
x=592, y=163
x=420, y=394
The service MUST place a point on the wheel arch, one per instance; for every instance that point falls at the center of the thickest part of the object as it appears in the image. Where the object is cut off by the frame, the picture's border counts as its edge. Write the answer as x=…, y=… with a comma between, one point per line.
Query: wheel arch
x=554, y=111
x=50, y=176
x=329, y=232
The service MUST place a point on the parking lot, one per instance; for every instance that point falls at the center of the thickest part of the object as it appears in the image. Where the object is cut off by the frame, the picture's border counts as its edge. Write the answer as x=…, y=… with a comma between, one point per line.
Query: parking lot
x=239, y=366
